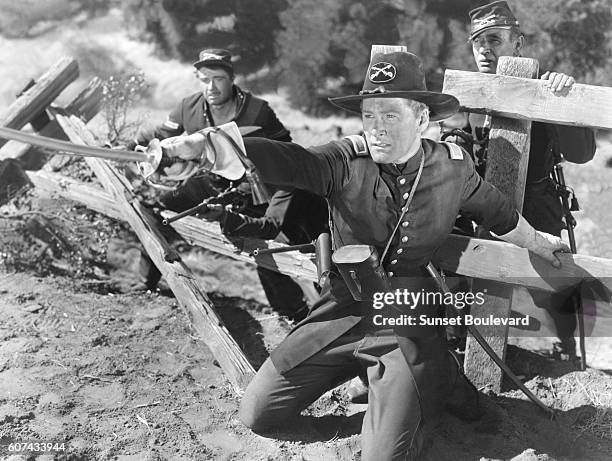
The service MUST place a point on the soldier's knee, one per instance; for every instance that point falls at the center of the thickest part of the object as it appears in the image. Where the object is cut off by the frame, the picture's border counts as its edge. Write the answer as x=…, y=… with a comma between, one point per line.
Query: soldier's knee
x=252, y=415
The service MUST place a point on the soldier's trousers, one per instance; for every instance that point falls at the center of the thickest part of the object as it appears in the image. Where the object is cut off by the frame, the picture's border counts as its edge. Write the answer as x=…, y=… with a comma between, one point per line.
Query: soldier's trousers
x=392, y=424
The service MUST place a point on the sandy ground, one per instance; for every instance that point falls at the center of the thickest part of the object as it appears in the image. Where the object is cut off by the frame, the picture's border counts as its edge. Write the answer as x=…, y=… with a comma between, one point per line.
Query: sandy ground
x=91, y=359
x=122, y=376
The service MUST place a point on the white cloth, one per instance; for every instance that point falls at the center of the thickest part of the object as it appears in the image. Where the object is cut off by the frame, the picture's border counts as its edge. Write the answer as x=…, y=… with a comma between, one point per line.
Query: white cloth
x=227, y=163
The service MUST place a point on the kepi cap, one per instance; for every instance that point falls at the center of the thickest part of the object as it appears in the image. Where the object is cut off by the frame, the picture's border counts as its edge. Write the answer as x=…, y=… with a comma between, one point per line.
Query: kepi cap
x=214, y=57
x=489, y=16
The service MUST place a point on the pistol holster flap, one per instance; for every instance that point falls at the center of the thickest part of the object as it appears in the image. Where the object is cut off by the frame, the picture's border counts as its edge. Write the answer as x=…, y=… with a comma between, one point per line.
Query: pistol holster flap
x=361, y=270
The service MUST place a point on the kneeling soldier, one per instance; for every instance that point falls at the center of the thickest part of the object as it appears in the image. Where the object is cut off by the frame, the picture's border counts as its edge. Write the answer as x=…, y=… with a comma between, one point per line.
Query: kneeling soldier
x=395, y=194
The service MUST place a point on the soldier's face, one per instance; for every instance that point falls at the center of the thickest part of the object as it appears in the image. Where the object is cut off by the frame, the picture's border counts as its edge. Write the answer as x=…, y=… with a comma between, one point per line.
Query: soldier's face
x=392, y=129
x=216, y=85
x=490, y=45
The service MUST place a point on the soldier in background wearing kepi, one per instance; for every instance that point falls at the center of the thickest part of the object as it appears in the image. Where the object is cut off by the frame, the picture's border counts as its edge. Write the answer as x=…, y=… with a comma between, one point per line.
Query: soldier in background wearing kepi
x=495, y=32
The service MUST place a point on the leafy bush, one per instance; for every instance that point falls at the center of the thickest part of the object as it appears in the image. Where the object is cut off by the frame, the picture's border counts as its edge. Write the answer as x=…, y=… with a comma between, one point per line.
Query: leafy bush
x=119, y=93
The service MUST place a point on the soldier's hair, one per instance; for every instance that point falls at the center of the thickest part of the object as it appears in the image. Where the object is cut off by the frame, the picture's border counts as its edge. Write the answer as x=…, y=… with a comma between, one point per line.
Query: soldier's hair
x=515, y=33
x=417, y=107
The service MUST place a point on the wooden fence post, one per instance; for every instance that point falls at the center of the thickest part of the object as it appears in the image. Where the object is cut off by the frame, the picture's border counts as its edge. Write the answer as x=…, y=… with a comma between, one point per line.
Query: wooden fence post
x=181, y=281
x=507, y=159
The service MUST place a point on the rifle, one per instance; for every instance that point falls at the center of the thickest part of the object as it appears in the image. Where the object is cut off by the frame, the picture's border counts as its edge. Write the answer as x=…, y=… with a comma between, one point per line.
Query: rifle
x=321, y=247
x=233, y=197
x=469, y=142
x=563, y=191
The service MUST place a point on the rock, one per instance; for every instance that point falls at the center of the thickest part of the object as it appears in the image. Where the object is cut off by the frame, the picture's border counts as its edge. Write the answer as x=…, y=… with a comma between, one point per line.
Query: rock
x=33, y=308
x=530, y=455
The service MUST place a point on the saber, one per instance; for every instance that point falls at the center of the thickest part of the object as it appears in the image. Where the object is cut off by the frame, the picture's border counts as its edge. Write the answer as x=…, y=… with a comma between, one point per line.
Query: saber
x=149, y=159
x=73, y=149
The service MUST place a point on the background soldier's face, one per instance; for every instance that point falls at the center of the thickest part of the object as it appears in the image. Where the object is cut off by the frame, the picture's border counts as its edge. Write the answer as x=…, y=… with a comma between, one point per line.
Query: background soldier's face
x=392, y=129
x=216, y=85
x=490, y=45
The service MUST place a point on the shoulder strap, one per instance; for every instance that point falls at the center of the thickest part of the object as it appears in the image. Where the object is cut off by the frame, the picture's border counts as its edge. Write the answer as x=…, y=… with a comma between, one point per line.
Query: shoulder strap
x=360, y=148
x=253, y=107
x=456, y=153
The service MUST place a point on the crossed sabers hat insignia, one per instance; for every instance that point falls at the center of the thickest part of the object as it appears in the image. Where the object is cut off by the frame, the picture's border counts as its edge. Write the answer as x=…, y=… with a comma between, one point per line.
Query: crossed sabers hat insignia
x=382, y=72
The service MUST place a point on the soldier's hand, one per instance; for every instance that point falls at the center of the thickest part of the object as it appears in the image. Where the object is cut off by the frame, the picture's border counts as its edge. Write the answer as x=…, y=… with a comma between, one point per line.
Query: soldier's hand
x=547, y=245
x=190, y=147
x=540, y=243
x=213, y=212
x=558, y=81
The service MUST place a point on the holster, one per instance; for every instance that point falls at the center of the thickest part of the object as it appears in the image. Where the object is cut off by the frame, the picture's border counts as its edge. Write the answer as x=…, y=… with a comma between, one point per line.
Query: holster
x=361, y=269
x=323, y=257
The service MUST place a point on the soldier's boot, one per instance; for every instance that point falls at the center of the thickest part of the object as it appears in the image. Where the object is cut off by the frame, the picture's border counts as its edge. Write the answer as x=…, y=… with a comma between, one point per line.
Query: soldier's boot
x=463, y=399
x=565, y=349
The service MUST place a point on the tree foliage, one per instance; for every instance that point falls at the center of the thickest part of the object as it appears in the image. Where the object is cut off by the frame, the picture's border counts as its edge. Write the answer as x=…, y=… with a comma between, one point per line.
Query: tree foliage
x=320, y=48
x=181, y=28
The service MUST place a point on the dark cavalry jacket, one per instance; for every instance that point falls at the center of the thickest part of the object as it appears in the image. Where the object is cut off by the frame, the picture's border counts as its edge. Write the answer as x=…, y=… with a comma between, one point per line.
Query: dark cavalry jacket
x=298, y=214
x=541, y=205
x=365, y=200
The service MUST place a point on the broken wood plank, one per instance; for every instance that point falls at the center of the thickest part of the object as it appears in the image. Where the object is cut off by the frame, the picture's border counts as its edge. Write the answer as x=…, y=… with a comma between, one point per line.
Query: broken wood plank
x=462, y=255
x=181, y=281
x=507, y=159
x=529, y=99
x=39, y=96
x=85, y=105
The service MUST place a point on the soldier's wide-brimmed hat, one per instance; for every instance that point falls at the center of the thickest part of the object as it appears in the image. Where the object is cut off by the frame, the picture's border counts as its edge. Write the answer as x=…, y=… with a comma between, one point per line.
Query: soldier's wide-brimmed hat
x=399, y=75
x=489, y=16
x=214, y=57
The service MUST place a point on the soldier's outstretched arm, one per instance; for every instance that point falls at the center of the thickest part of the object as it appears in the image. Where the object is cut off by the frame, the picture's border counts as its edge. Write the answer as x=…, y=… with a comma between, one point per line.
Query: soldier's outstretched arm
x=318, y=169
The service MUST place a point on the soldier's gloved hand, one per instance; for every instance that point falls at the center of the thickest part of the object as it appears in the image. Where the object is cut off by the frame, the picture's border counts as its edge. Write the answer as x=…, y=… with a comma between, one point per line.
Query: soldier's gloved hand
x=540, y=243
x=557, y=81
x=217, y=156
x=190, y=147
x=188, y=150
x=213, y=212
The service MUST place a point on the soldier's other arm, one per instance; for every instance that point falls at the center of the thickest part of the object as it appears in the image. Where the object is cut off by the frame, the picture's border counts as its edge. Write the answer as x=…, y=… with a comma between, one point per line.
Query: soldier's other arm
x=271, y=125
x=486, y=205
x=577, y=144
x=173, y=126
x=266, y=227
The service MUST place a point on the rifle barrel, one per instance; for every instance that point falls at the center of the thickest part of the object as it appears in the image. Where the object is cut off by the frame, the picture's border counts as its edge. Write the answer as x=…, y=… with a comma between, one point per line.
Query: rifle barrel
x=190, y=212
x=266, y=251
